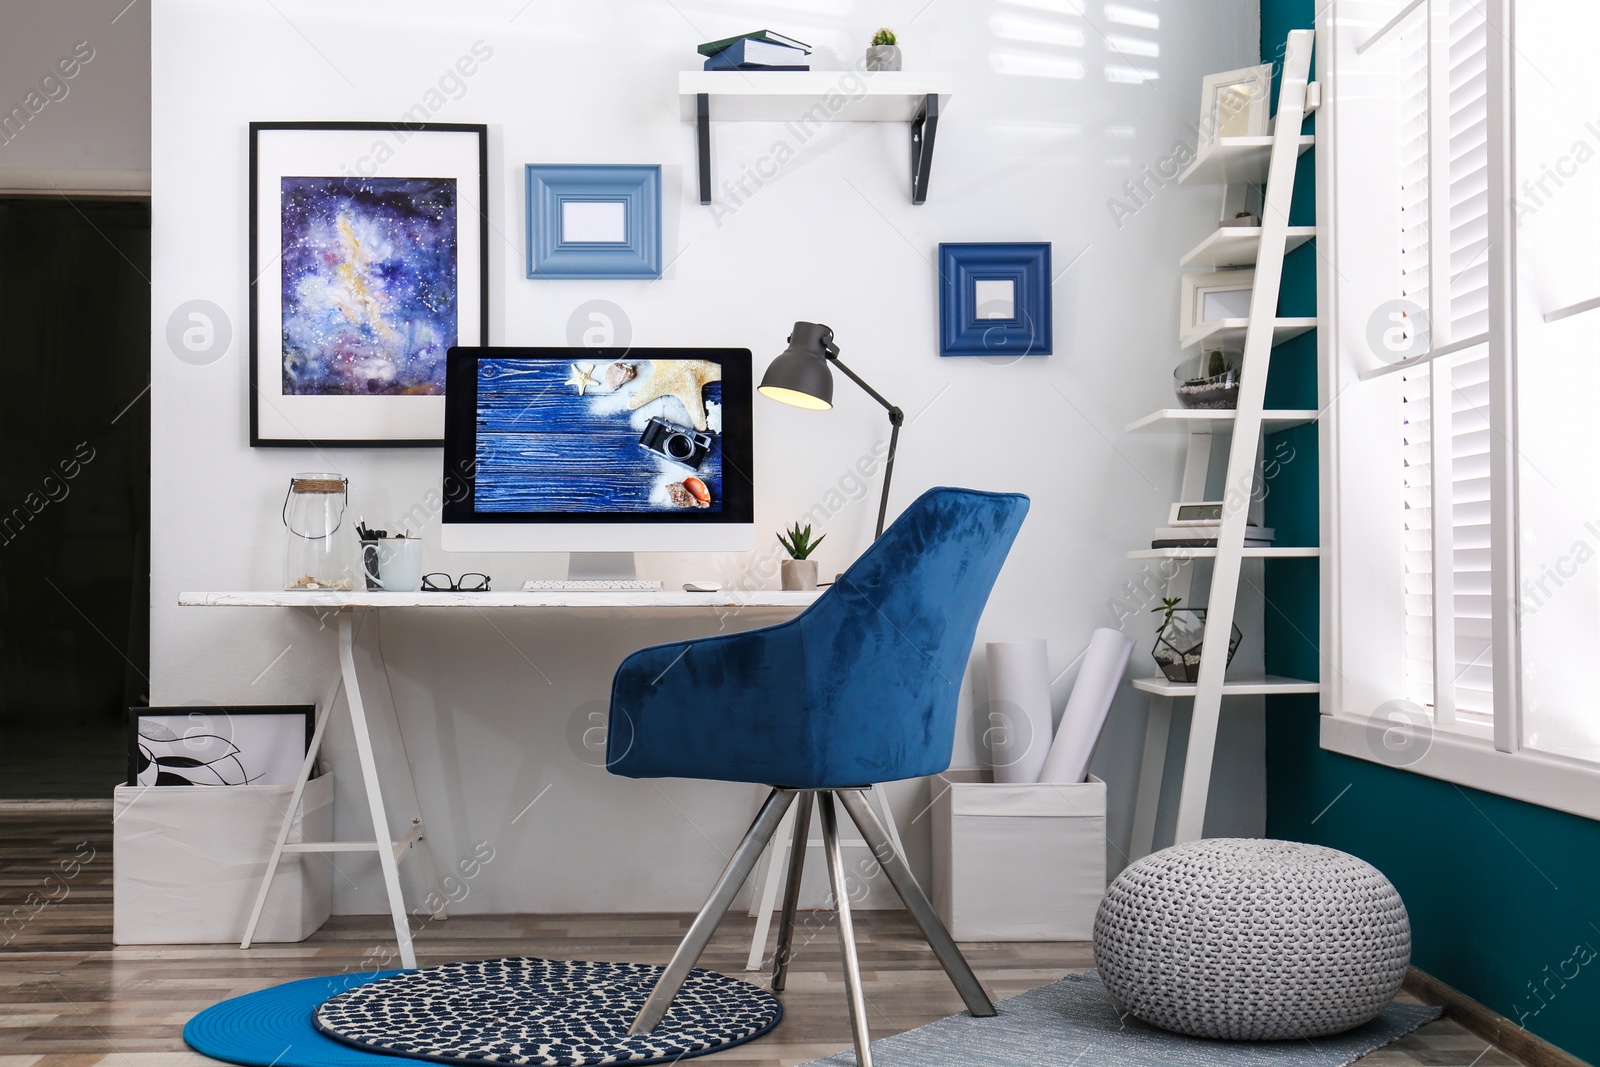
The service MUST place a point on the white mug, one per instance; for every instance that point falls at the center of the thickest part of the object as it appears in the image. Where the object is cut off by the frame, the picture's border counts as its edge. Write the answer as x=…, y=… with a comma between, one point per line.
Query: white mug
x=399, y=562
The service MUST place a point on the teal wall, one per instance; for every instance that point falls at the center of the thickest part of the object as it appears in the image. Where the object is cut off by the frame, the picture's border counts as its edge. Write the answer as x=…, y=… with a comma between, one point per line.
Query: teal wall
x=1504, y=896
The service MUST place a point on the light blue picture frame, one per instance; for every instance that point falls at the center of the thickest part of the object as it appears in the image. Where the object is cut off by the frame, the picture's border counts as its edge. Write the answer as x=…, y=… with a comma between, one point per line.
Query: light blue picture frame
x=637, y=187
x=967, y=329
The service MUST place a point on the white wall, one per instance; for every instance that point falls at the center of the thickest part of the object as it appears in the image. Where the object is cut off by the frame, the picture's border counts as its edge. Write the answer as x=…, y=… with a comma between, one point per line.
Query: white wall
x=84, y=126
x=490, y=703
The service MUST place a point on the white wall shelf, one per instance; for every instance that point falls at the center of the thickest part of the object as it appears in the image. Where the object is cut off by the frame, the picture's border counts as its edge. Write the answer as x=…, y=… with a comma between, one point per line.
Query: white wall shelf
x=1265, y=685
x=1237, y=160
x=1215, y=420
x=1237, y=246
x=808, y=99
x=1225, y=330
x=1250, y=552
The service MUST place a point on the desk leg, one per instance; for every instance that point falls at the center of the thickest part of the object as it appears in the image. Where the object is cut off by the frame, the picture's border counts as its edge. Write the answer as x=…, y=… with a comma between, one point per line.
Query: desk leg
x=1157, y=728
x=387, y=860
x=765, y=896
x=323, y=714
x=437, y=901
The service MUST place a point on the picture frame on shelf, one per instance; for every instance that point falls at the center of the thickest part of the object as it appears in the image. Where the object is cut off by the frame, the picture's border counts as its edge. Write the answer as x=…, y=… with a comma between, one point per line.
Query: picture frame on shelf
x=1235, y=103
x=593, y=220
x=1212, y=297
x=995, y=299
x=369, y=260
x=205, y=745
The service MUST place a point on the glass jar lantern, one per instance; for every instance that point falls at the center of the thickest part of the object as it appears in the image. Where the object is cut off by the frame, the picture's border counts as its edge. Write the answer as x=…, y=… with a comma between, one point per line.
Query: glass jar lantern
x=315, y=554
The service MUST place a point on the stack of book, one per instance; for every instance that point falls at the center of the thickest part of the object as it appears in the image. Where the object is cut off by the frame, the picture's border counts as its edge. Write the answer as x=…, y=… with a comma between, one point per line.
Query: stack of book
x=757, y=50
x=1204, y=535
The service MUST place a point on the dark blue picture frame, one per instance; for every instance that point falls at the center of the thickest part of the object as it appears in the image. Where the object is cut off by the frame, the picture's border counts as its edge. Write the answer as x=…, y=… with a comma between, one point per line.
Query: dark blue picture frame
x=964, y=328
x=636, y=186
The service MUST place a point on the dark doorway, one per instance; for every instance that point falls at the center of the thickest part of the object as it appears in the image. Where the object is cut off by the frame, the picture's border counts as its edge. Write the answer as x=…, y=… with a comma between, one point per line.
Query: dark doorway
x=74, y=490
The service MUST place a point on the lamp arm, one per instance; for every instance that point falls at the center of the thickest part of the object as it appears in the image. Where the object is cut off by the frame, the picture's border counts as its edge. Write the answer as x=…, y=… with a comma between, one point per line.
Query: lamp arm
x=897, y=418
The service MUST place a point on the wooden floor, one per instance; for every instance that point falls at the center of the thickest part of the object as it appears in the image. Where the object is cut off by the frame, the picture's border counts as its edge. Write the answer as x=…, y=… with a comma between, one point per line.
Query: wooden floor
x=68, y=998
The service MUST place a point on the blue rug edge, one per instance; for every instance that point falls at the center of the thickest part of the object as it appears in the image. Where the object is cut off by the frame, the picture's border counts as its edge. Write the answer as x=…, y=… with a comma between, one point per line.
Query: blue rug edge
x=346, y=981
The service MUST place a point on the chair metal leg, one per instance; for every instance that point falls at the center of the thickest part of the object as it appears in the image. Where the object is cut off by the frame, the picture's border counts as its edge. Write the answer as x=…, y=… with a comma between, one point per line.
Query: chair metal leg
x=938, y=938
x=847, y=931
x=791, y=892
x=705, y=924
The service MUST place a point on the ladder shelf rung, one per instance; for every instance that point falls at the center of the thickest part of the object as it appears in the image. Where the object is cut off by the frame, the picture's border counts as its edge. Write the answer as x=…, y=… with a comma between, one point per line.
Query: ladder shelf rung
x=1237, y=159
x=1222, y=330
x=1214, y=420
x=1250, y=552
x=1262, y=685
x=1238, y=246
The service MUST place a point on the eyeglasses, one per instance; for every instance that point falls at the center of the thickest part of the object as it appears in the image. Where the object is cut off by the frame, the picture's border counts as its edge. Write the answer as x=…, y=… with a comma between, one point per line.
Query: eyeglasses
x=439, y=582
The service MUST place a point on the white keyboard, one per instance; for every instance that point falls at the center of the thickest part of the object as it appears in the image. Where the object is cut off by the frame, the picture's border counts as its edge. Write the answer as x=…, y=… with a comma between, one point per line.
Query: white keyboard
x=594, y=585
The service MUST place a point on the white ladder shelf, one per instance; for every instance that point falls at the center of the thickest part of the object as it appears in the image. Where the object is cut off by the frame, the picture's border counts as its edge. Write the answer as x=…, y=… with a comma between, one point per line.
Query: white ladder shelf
x=1235, y=163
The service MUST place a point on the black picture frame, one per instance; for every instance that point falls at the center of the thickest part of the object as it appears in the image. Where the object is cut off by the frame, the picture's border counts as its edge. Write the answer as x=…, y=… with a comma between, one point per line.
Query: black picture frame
x=403, y=131
x=135, y=758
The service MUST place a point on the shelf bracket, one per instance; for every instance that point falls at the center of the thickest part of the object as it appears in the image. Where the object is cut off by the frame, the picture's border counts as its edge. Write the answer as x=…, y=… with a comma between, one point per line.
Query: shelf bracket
x=923, y=127
x=702, y=132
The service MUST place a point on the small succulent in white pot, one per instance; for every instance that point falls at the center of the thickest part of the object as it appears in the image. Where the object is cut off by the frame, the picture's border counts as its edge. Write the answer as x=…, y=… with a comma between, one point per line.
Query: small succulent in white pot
x=883, y=54
x=799, y=571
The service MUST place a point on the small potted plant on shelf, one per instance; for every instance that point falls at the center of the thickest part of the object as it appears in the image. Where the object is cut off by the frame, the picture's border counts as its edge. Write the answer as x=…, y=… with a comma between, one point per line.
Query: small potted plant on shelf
x=1181, y=638
x=883, y=54
x=799, y=571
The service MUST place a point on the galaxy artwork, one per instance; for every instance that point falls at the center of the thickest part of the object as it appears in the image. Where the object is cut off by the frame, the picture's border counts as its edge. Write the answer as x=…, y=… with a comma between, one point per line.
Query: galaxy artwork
x=639, y=436
x=369, y=285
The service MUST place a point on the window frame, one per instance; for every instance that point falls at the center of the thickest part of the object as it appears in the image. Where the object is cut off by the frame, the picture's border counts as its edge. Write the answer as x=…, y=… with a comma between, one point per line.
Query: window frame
x=1353, y=245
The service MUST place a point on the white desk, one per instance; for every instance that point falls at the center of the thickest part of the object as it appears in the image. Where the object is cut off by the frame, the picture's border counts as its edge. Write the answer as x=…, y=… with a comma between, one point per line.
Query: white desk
x=760, y=598
x=345, y=606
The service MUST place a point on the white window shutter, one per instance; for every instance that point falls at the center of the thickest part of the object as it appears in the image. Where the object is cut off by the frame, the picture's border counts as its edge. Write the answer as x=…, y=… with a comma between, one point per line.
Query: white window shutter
x=1444, y=268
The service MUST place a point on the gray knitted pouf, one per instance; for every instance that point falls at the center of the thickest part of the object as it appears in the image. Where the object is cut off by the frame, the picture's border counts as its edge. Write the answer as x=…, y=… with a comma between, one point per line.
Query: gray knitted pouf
x=1252, y=940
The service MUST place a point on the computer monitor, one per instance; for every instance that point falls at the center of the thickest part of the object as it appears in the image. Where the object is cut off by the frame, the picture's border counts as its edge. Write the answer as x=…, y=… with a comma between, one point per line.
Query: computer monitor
x=598, y=450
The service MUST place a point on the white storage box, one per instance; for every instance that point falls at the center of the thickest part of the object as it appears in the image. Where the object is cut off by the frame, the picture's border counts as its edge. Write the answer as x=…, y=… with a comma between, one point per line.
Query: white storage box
x=187, y=863
x=1017, y=862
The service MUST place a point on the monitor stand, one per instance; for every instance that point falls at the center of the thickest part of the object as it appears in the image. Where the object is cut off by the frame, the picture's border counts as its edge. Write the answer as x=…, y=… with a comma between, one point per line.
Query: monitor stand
x=602, y=566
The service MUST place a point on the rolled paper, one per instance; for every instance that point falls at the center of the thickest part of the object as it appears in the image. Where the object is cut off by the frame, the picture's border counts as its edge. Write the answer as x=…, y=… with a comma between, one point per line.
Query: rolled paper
x=1018, y=729
x=1098, y=679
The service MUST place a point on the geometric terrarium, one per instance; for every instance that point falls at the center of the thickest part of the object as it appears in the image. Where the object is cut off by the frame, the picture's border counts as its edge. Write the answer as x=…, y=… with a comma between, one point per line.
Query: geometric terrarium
x=1179, y=643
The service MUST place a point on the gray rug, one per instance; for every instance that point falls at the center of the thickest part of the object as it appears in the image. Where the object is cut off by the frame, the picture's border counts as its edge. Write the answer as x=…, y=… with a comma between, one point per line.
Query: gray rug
x=1073, y=1022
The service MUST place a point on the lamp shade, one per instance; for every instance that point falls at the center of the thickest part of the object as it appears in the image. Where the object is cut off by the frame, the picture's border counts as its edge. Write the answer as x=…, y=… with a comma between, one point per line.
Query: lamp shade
x=801, y=375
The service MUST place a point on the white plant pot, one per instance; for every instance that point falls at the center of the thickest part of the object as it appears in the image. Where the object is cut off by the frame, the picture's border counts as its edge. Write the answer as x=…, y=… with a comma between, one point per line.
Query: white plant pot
x=799, y=574
x=883, y=57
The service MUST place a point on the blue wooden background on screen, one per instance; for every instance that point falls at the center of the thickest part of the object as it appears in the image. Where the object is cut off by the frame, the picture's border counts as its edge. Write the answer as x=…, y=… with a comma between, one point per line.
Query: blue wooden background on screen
x=544, y=448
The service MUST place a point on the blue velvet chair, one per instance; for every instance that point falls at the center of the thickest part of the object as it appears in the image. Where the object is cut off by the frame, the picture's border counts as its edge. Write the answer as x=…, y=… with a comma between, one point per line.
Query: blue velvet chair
x=860, y=688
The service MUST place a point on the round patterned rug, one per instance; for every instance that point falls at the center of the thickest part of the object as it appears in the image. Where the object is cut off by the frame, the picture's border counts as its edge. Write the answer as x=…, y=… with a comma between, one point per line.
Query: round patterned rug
x=544, y=1013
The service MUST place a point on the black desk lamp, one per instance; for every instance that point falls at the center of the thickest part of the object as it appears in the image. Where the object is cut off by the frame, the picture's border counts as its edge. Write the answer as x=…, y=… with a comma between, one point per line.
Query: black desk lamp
x=801, y=376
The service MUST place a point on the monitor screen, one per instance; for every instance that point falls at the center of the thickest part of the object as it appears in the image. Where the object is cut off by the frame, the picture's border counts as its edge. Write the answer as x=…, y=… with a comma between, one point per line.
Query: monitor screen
x=583, y=437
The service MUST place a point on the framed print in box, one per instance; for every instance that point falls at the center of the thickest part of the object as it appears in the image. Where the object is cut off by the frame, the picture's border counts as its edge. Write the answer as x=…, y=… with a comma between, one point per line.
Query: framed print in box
x=1234, y=104
x=594, y=220
x=1208, y=299
x=994, y=299
x=211, y=746
x=369, y=260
